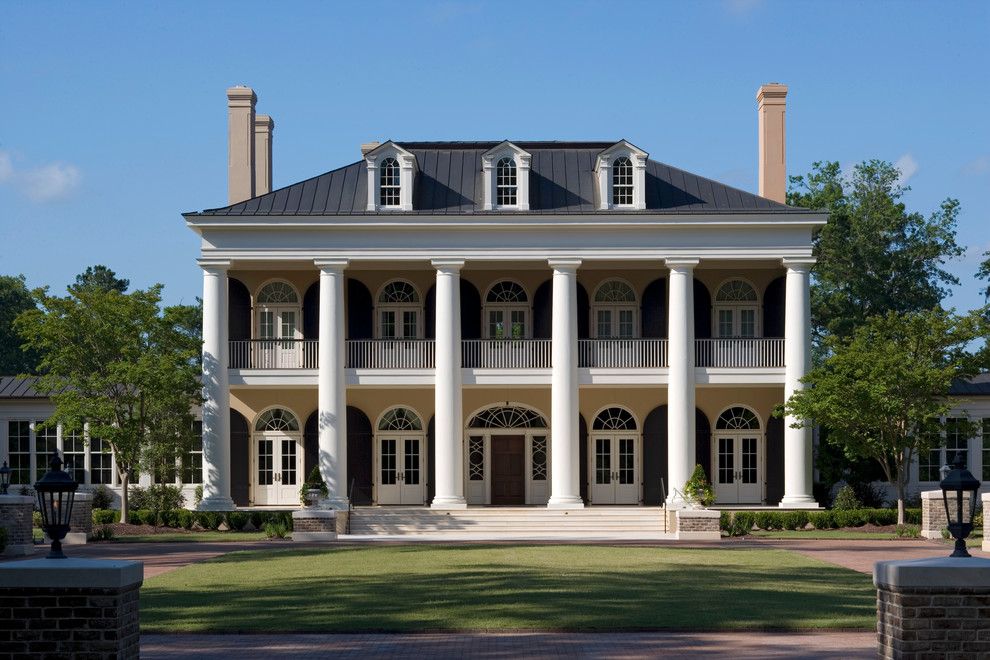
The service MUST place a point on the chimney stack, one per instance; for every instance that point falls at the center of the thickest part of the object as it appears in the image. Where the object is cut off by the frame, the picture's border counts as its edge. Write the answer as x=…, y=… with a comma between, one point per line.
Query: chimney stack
x=240, y=143
x=263, y=128
x=772, y=102
x=368, y=147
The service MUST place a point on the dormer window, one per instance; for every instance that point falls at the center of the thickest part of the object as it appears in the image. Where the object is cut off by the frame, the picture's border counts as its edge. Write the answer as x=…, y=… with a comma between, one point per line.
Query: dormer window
x=622, y=182
x=505, y=177
x=390, y=183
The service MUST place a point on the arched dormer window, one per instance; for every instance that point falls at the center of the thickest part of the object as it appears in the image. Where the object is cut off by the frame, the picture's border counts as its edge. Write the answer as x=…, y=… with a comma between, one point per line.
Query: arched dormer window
x=505, y=179
x=614, y=310
x=506, y=311
x=391, y=185
x=622, y=182
x=400, y=311
x=736, y=310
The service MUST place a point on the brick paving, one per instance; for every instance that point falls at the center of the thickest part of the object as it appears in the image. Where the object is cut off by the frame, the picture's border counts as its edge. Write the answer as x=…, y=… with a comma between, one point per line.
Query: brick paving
x=818, y=645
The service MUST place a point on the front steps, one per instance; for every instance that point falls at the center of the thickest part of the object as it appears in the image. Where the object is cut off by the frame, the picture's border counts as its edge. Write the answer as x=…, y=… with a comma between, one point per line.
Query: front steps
x=509, y=523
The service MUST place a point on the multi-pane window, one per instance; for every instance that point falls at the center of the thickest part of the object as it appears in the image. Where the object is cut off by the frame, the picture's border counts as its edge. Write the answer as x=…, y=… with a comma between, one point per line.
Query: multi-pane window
x=539, y=458
x=399, y=311
x=389, y=180
x=615, y=310
x=622, y=182
x=505, y=182
x=100, y=462
x=735, y=310
x=19, y=444
x=506, y=311
x=476, y=458
x=956, y=440
x=74, y=455
x=986, y=449
x=929, y=464
x=45, y=443
x=192, y=461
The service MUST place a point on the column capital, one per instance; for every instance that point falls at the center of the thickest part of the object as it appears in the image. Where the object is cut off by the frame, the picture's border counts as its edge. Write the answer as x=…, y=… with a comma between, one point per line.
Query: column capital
x=566, y=263
x=447, y=265
x=331, y=264
x=214, y=264
x=800, y=264
x=681, y=263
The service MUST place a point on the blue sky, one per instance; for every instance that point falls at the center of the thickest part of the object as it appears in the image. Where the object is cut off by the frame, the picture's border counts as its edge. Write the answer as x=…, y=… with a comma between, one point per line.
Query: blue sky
x=114, y=119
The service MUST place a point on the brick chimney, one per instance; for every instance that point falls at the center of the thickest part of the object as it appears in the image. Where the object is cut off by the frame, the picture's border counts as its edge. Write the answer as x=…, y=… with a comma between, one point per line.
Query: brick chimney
x=240, y=143
x=772, y=102
x=263, y=129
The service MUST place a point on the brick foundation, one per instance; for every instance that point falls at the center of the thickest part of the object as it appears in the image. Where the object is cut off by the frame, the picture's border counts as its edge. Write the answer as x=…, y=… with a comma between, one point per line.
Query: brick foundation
x=933, y=608
x=933, y=519
x=697, y=525
x=70, y=608
x=16, y=513
x=314, y=525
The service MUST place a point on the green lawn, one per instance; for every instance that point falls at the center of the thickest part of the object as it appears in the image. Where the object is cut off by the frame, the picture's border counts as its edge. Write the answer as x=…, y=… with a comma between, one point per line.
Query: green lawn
x=414, y=587
x=189, y=537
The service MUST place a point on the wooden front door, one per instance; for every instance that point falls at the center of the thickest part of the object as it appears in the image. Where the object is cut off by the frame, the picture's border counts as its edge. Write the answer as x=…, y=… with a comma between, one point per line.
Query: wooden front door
x=508, y=469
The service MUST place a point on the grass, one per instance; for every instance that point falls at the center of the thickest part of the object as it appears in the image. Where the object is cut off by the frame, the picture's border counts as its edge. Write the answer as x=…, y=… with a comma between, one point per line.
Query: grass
x=414, y=588
x=189, y=537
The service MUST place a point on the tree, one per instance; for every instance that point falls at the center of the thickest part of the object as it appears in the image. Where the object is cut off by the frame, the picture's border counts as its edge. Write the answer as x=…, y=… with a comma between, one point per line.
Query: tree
x=983, y=273
x=14, y=299
x=122, y=364
x=874, y=256
x=881, y=391
x=102, y=278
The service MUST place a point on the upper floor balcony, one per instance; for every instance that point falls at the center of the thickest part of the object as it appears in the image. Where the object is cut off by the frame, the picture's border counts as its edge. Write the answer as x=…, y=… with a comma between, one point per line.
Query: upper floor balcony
x=391, y=354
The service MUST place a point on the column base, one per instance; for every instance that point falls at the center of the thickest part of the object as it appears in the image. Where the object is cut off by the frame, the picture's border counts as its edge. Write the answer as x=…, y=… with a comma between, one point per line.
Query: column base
x=216, y=504
x=799, y=502
x=450, y=502
x=566, y=502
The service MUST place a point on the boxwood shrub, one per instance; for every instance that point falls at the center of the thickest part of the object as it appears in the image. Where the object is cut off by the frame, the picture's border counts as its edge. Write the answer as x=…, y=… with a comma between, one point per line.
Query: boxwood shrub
x=105, y=516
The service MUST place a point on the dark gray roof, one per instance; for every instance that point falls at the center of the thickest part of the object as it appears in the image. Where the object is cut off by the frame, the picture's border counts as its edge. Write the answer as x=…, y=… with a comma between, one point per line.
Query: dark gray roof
x=448, y=180
x=17, y=387
x=976, y=386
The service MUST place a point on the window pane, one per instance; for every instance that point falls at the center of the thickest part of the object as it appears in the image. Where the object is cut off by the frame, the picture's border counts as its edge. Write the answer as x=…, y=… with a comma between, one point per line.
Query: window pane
x=74, y=455
x=929, y=464
x=388, y=324
x=19, y=438
x=46, y=442
x=539, y=458
x=409, y=329
x=725, y=323
x=411, y=460
x=626, y=323
x=747, y=322
x=986, y=449
x=192, y=462
x=726, y=461
x=388, y=466
x=266, y=325
x=627, y=461
x=101, y=465
x=956, y=440
x=604, y=323
x=603, y=461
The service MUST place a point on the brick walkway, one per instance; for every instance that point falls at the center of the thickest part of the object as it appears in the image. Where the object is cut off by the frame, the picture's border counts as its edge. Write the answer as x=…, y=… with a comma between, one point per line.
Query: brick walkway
x=515, y=645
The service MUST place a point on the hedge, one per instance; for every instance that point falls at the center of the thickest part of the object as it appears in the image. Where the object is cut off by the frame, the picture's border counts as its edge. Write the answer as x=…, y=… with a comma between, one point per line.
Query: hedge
x=105, y=516
x=186, y=519
x=743, y=522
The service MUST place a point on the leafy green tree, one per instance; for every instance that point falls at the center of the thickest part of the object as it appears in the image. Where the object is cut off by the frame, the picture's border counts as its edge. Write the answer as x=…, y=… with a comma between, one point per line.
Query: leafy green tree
x=874, y=256
x=14, y=299
x=122, y=363
x=983, y=273
x=101, y=277
x=882, y=390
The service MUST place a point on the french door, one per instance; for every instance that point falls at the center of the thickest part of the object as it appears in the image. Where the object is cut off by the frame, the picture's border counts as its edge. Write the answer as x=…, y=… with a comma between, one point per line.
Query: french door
x=278, y=328
x=278, y=466
x=401, y=469
x=613, y=469
x=737, y=473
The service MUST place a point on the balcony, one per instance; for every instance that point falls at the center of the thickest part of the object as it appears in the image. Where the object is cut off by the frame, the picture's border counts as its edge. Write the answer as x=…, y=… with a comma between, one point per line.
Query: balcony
x=506, y=353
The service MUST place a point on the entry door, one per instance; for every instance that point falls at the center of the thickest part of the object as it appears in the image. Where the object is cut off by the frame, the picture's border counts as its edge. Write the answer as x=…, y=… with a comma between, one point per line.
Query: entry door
x=278, y=469
x=278, y=327
x=508, y=469
x=401, y=473
x=738, y=469
x=613, y=479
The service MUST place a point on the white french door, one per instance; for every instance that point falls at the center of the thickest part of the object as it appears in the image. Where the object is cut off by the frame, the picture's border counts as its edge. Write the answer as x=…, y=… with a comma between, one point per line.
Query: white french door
x=507, y=323
x=736, y=322
x=278, y=467
x=737, y=473
x=613, y=469
x=401, y=469
x=278, y=328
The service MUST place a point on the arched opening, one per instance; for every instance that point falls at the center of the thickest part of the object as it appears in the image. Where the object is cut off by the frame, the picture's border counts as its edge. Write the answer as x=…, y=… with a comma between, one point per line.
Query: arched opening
x=774, y=309
x=775, y=460
x=702, y=311
x=507, y=458
x=654, y=309
x=401, y=470
x=240, y=459
x=238, y=311
x=655, y=453
x=360, y=308
x=738, y=456
x=359, y=453
x=277, y=458
x=614, y=452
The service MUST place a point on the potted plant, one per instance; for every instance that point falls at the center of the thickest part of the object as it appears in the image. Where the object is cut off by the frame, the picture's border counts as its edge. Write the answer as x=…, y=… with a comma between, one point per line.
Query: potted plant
x=697, y=490
x=313, y=489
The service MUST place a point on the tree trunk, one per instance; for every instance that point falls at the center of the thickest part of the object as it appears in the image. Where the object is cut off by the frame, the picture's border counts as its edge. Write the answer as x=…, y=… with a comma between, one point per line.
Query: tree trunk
x=900, y=502
x=124, y=509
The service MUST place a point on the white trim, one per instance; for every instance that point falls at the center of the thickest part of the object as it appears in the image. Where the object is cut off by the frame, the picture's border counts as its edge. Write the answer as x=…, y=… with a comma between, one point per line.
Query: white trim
x=756, y=306
x=634, y=306
x=407, y=167
x=489, y=163
x=614, y=405
x=423, y=424
x=603, y=168
x=759, y=418
x=254, y=420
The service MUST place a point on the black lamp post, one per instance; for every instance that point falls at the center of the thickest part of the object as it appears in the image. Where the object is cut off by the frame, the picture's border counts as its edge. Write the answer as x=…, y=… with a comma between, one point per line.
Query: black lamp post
x=4, y=478
x=956, y=484
x=56, y=493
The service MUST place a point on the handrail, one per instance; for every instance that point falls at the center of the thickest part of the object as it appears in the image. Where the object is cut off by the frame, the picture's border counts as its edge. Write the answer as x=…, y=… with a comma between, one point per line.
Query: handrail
x=350, y=504
x=505, y=353
x=663, y=494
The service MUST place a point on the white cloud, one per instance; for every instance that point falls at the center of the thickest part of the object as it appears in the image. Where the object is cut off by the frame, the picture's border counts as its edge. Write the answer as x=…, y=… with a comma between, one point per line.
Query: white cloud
x=41, y=184
x=6, y=167
x=908, y=167
x=977, y=166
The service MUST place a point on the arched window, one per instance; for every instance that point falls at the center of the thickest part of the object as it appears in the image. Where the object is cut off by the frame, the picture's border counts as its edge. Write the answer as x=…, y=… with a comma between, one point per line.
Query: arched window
x=738, y=418
x=506, y=311
x=615, y=310
x=622, y=182
x=614, y=419
x=277, y=293
x=389, y=188
x=508, y=417
x=399, y=311
x=505, y=182
x=400, y=419
x=278, y=316
x=736, y=307
x=277, y=419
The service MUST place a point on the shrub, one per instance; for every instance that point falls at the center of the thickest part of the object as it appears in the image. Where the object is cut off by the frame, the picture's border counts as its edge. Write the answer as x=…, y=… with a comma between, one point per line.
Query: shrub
x=854, y=518
x=946, y=534
x=170, y=518
x=160, y=497
x=314, y=480
x=725, y=522
x=198, y=495
x=102, y=498
x=908, y=531
x=276, y=530
x=822, y=519
x=185, y=518
x=846, y=500
x=105, y=516
x=742, y=523
x=36, y=518
x=257, y=520
x=697, y=489
x=883, y=516
x=209, y=519
x=103, y=533
x=138, y=498
x=794, y=519
x=912, y=516
x=870, y=495
x=768, y=520
x=237, y=520
x=978, y=519
x=142, y=517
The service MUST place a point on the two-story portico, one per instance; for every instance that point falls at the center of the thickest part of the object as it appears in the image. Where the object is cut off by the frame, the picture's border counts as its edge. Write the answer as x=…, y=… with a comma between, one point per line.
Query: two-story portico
x=545, y=323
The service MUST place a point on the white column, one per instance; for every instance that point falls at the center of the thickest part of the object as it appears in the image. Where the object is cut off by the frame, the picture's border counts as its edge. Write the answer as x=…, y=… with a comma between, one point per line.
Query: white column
x=449, y=409
x=216, y=392
x=680, y=388
x=332, y=394
x=565, y=488
x=798, y=479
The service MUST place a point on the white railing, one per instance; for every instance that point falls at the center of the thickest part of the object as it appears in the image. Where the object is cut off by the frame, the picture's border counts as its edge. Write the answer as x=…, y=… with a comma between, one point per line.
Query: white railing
x=622, y=353
x=739, y=353
x=505, y=353
x=273, y=354
x=390, y=353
